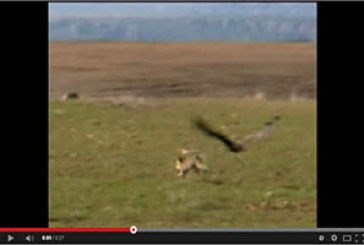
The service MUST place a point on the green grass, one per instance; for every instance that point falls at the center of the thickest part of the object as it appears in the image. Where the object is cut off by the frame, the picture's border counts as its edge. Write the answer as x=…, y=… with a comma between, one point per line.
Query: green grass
x=114, y=166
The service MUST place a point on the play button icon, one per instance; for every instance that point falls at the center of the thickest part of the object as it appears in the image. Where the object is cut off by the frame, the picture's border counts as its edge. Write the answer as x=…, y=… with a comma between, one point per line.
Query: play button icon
x=10, y=238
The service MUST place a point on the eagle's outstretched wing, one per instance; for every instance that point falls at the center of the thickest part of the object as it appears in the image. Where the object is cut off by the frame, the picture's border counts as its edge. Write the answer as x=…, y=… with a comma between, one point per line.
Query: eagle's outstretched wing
x=260, y=134
x=232, y=145
x=210, y=131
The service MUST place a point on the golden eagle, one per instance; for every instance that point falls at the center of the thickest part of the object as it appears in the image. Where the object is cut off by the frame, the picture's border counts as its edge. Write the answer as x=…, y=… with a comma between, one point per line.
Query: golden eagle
x=236, y=145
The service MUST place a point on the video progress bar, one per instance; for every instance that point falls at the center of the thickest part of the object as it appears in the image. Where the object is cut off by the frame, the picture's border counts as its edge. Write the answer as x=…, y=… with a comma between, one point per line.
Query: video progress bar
x=144, y=237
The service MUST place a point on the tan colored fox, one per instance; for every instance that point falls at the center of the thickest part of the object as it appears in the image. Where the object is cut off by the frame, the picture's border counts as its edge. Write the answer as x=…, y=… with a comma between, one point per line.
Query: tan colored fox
x=189, y=160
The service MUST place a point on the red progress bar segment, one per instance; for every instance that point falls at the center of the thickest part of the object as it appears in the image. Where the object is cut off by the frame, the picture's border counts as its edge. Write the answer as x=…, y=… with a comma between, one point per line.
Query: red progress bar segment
x=65, y=230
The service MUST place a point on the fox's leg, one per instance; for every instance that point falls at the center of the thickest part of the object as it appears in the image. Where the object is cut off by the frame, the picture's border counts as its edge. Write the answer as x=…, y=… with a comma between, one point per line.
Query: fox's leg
x=180, y=173
x=195, y=168
x=183, y=173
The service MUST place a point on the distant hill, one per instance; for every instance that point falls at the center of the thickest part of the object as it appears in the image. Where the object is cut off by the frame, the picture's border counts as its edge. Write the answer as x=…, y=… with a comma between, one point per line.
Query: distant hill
x=192, y=28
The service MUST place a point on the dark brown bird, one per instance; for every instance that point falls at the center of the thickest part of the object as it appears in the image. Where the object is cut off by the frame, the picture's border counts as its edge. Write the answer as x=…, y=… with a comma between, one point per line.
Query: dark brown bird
x=234, y=145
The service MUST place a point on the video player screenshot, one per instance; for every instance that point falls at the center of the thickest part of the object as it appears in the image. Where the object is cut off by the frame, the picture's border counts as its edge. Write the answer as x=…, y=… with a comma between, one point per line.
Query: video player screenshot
x=182, y=122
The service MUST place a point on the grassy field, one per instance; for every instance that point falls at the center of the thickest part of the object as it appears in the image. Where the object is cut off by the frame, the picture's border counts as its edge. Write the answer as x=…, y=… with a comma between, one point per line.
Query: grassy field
x=112, y=152
x=113, y=166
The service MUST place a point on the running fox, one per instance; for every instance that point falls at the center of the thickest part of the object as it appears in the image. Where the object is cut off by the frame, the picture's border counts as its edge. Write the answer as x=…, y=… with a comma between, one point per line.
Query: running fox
x=189, y=160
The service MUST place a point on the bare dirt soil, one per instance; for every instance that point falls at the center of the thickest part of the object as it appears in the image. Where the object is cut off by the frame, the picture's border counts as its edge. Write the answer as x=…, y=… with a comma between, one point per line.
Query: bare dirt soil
x=109, y=69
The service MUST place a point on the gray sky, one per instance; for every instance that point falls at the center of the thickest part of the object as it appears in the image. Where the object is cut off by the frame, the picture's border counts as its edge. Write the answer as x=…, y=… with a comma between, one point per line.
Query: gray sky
x=60, y=10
